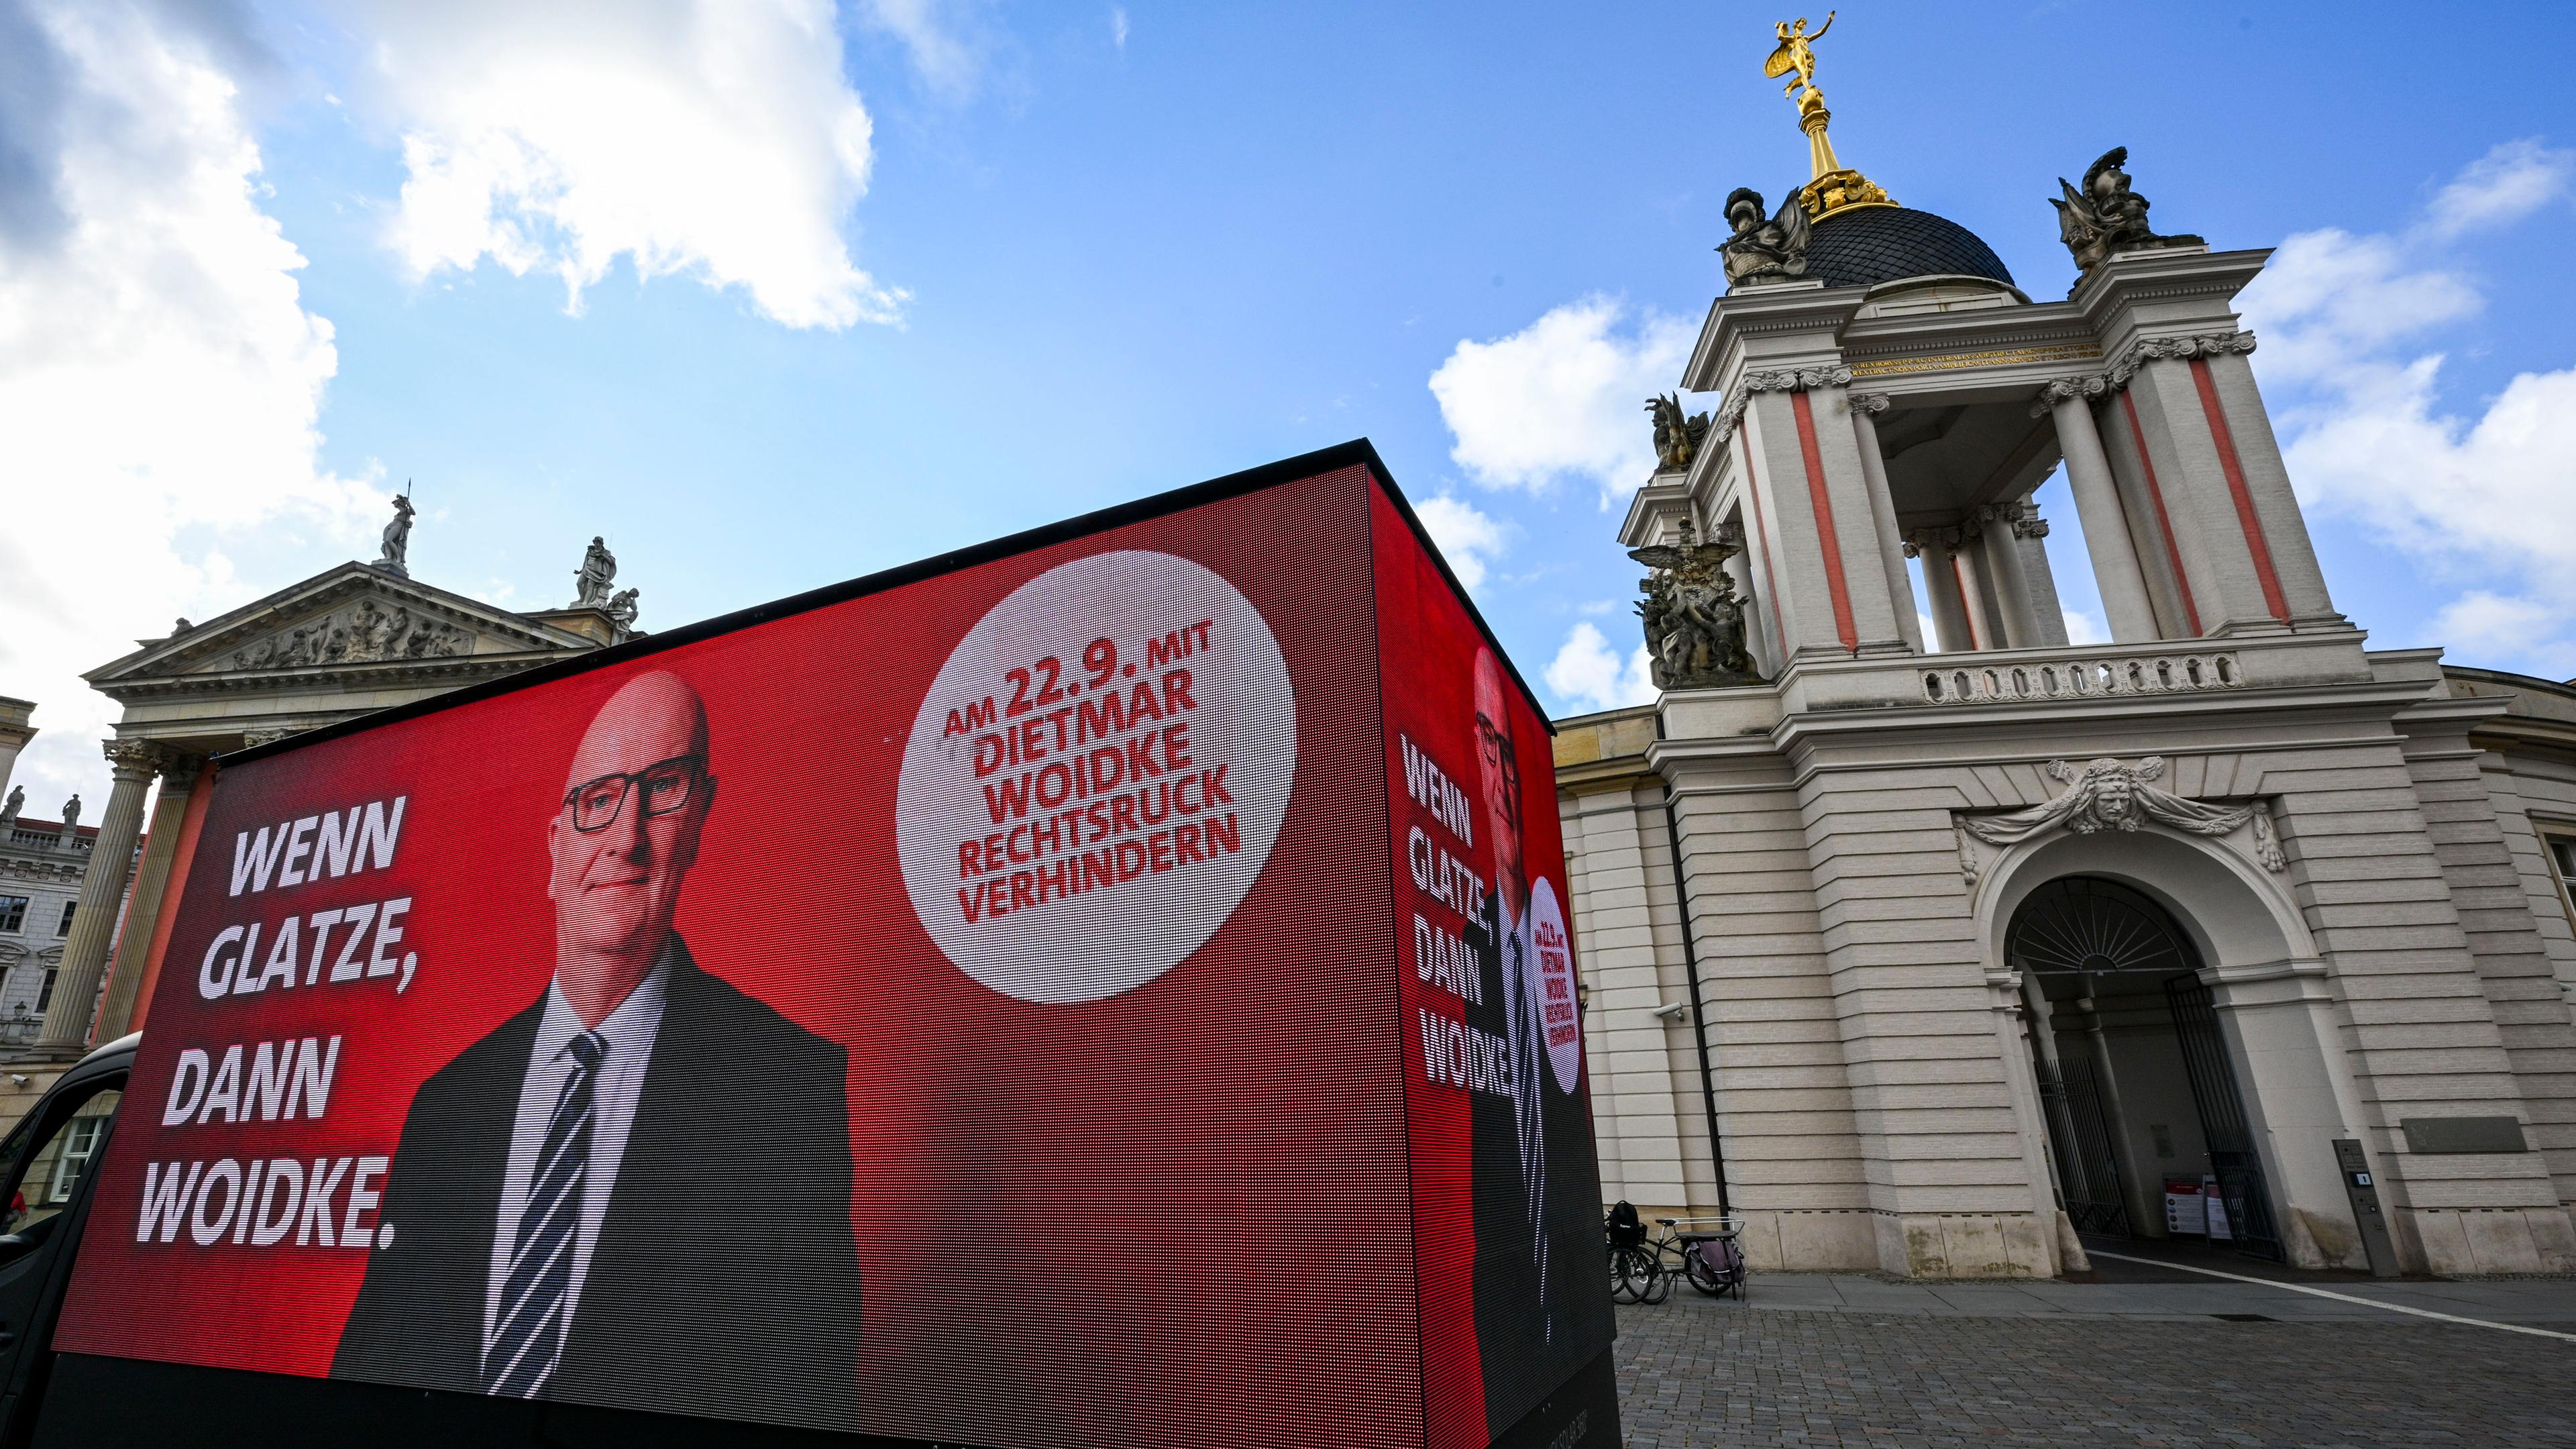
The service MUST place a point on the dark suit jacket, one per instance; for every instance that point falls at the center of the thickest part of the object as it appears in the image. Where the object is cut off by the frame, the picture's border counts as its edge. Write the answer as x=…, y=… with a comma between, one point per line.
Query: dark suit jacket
x=725, y=1281
x=1527, y=1350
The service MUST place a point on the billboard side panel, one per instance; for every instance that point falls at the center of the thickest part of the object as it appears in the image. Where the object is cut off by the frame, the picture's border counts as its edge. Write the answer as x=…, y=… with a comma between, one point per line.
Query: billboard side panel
x=1007, y=1053
x=1506, y=1188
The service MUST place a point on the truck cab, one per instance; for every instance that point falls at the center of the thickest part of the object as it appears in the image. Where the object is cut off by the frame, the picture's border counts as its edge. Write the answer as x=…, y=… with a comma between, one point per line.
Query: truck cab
x=47, y=1190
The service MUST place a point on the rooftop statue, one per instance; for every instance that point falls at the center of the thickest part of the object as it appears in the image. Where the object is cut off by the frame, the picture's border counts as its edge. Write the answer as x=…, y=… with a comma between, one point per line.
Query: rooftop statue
x=1677, y=437
x=1694, y=623
x=2104, y=217
x=1836, y=188
x=398, y=538
x=1796, y=53
x=1764, y=250
x=623, y=608
x=590, y=582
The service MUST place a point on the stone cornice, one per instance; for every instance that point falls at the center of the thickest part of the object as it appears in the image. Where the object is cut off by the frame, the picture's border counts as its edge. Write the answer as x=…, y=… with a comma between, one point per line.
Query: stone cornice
x=443, y=672
x=1740, y=397
x=2124, y=368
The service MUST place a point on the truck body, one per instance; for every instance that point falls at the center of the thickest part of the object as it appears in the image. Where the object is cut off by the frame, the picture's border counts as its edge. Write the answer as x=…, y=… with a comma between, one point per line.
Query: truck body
x=1111, y=986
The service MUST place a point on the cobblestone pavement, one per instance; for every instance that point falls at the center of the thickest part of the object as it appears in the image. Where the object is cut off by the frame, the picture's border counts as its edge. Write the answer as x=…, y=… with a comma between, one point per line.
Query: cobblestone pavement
x=1695, y=1373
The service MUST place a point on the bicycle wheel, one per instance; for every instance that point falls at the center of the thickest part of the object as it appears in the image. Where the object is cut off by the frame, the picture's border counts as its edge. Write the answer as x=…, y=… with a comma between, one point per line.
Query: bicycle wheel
x=1620, y=1291
x=1632, y=1275
x=1659, y=1284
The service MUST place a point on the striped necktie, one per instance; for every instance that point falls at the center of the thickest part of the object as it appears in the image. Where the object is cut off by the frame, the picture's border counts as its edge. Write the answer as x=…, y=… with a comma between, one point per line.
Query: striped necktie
x=528, y=1336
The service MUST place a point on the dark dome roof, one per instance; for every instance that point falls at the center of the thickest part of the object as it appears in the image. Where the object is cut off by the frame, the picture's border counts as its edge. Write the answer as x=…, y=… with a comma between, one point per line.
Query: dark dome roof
x=1872, y=244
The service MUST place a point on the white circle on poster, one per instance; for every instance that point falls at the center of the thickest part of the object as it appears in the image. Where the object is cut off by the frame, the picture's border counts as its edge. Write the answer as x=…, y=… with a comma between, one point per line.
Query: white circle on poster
x=1075, y=817
x=1551, y=958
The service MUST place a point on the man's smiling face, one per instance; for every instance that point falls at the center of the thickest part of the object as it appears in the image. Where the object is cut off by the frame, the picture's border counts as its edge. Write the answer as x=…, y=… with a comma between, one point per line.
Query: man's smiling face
x=615, y=888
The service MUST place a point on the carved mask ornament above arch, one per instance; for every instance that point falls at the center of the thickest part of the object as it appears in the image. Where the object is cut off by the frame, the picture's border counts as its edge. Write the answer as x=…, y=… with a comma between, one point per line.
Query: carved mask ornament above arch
x=2108, y=795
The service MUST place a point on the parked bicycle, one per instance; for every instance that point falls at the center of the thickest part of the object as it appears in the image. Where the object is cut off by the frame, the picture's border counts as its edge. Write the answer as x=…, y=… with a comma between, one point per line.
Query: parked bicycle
x=1707, y=1251
x=1636, y=1266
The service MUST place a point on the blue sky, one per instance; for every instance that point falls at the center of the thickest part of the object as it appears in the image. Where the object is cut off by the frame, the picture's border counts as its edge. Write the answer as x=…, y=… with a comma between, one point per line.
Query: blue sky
x=774, y=295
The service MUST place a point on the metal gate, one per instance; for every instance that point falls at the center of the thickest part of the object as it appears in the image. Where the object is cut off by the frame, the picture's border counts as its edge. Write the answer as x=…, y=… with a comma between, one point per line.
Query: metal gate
x=2222, y=1118
x=2079, y=1140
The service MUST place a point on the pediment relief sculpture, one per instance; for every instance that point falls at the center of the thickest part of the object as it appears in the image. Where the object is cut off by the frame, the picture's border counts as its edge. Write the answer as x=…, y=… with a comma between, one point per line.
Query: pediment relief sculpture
x=370, y=631
x=2105, y=794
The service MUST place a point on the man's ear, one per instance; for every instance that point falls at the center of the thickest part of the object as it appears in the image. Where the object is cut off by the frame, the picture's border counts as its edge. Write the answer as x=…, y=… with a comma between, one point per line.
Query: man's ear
x=554, y=848
x=699, y=812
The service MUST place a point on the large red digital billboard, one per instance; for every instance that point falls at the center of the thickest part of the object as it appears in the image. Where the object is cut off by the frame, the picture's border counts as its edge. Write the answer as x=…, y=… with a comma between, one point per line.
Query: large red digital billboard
x=1105, y=989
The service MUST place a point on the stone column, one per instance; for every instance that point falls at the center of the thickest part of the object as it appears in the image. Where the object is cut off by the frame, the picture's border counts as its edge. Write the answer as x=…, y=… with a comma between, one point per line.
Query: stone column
x=1949, y=593
x=1999, y=549
x=151, y=885
x=1866, y=406
x=2107, y=541
x=111, y=863
x=2030, y=535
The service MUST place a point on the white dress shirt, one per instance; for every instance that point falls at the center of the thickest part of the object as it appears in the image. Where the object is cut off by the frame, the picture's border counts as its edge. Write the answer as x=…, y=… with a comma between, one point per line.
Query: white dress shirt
x=628, y=1034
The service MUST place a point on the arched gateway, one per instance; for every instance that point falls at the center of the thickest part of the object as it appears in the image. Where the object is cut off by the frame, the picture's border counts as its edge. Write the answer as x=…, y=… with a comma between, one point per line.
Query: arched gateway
x=2135, y=1079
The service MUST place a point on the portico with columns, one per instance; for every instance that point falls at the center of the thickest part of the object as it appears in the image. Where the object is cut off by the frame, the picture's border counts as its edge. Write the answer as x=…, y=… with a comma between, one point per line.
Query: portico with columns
x=354, y=638
x=1938, y=955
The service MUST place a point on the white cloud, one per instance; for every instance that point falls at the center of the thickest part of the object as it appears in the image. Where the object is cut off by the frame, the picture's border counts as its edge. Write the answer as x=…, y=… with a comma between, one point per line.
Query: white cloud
x=695, y=136
x=2081, y=628
x=159, y=375
x=2330, y=298
x=2507, y=184
x=1563, y=397
x=946, y=61
x=1587, y=675
x=2484, y=625
x=2341, y=317
x=1118, y=26
x=1468, y=539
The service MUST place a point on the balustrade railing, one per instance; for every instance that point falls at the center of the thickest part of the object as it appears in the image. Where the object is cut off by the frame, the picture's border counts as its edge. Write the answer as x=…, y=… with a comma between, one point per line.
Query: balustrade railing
x=2027, y=682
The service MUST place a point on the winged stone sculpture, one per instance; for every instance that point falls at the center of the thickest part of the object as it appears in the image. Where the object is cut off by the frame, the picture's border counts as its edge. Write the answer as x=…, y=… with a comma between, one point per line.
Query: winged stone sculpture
x=2104, y=217
x=1694, y=623
x=1764, y=250
x=1677, y=436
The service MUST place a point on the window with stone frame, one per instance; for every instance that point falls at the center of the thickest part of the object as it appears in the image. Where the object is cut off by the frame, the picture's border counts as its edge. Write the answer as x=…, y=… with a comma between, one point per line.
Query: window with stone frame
x=2562, y=866
x=45, y=993
x=13, y=914
x=64, y=926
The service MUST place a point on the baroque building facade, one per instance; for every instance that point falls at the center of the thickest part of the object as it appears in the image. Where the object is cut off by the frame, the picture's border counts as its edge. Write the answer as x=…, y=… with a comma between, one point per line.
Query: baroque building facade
x=354, y=638
x=41, y=865
x=1940, y=954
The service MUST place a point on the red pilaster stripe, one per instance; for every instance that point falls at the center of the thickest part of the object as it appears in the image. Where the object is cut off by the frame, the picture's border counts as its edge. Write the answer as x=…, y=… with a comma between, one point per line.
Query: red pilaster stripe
x=1825, y=522
x=2164, y=524
x=1967, y=610
x=1762, y=538
x=2245, y=515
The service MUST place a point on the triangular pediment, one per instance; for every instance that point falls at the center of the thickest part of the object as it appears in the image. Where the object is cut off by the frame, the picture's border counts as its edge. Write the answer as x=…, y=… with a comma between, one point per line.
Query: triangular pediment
x=353, y=618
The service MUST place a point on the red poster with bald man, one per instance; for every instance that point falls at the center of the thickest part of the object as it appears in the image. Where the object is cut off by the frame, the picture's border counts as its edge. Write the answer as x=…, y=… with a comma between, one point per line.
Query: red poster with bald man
x=1110, y=987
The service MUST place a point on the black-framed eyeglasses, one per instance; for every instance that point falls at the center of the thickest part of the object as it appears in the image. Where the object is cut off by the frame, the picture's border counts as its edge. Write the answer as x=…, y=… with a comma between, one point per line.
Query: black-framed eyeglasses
x=667, y=788
x=1493, y=739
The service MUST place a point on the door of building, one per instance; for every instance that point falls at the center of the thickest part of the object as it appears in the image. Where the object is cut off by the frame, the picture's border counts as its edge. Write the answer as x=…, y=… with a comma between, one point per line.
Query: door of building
x=2232, y=1159
x=2079, y=1144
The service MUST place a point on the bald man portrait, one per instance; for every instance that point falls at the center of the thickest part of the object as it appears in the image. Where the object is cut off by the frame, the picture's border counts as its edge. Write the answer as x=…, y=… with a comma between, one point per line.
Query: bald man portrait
x=1541, y=1307
x=636, y=1191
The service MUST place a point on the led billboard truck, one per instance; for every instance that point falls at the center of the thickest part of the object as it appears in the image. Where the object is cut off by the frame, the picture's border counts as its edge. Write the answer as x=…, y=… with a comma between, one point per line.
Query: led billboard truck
x=1110, y=987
